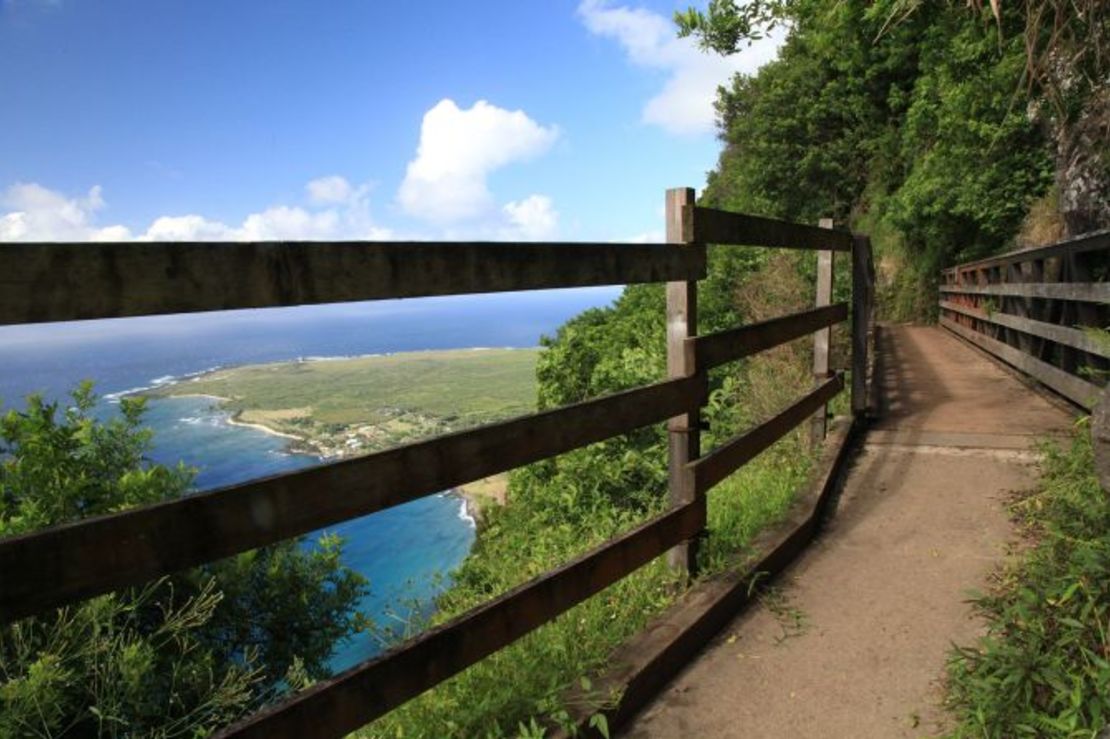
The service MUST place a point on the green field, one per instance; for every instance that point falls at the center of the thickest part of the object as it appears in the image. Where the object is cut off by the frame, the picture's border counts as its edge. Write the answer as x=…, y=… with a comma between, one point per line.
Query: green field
x=368, y=403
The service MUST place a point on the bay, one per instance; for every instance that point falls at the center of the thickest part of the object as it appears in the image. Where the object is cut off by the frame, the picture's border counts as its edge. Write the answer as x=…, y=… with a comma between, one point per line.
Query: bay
x=406, y=552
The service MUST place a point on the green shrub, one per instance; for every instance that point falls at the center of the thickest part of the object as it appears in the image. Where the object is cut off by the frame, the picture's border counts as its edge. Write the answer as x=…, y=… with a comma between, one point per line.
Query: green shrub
x=176, y=657
x=561, y=507
x=1043, y=669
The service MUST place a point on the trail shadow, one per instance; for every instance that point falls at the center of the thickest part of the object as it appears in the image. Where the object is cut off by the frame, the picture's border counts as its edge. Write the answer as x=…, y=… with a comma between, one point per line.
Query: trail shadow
x=910, y=388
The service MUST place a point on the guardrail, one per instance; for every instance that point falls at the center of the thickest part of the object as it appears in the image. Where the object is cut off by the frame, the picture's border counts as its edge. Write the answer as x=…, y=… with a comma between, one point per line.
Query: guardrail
x=1038, y=310
x=59, y=565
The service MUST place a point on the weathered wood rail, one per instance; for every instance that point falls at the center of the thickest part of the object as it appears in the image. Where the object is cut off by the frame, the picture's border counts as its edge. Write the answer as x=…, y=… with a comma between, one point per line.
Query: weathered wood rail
x=1035, y=310
x=59, y=282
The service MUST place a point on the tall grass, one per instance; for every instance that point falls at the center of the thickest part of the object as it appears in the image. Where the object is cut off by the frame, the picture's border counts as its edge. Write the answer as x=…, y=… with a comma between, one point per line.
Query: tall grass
x=1043, y=669
x=523, y=686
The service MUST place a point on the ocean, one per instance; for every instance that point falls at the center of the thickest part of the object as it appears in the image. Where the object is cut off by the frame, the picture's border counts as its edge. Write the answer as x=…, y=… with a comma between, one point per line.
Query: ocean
x=406, y=552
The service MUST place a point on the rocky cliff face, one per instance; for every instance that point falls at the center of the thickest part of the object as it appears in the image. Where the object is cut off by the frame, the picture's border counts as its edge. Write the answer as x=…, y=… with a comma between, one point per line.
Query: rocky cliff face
x=1069, y=61
x=1083, y=167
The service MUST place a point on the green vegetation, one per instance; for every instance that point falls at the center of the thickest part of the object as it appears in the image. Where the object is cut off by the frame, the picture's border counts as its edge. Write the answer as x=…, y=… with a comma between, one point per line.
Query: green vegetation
x=916, y=122
x=176, y=657
x=1043, y=670
x=949, y=131
x=525, y=684
x=202, y=659
x=561, y=507
x=934, y=127
x=368, y=403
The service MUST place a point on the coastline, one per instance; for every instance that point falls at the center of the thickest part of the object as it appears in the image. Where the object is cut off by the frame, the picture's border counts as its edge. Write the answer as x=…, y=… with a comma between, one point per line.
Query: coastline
x=476, y=496
x=480, y=495
x=185, y=395
x=381, y=425
x=233, y=420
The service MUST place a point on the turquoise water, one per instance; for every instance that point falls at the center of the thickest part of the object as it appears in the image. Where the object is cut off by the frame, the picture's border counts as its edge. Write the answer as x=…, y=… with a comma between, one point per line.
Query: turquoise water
x=406, y=552
x=191, y=429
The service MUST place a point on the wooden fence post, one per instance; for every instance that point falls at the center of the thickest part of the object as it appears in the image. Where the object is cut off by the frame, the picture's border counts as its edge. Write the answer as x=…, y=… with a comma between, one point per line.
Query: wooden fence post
x=862, y=290
x=822, y=338
x=684, y=436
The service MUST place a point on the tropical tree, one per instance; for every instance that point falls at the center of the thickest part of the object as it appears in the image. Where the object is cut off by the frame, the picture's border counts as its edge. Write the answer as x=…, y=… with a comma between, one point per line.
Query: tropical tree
x=175, y=657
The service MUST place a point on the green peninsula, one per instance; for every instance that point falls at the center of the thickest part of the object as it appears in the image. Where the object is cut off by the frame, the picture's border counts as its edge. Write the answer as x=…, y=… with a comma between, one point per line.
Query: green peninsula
x=345, y=407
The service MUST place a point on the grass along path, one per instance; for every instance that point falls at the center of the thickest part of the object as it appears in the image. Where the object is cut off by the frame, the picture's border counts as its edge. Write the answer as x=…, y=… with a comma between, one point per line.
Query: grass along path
x=1043, y=669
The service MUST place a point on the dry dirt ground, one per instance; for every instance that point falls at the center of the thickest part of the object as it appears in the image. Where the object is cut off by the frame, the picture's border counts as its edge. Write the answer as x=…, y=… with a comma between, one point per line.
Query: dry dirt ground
x=852, y=640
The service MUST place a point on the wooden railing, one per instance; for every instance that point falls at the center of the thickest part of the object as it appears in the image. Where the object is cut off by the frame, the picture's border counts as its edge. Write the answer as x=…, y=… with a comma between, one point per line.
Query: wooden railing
x=58, y=282
x=1035, y=310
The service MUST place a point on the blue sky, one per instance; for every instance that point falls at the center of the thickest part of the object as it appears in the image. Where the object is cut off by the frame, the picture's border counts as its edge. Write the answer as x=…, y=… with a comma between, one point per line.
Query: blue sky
x=491, y=120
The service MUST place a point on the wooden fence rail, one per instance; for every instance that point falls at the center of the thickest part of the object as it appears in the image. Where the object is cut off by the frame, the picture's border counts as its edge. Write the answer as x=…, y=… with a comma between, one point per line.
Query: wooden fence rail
x=1038, y=310
x=366, y=691
x=743, y=341
x=63, y=564
x=66, y=282
x=722, y=227
x=95, y=555
x=741, y=449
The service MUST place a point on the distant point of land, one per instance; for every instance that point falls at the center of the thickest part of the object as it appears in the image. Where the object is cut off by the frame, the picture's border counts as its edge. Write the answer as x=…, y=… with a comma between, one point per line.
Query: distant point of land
x=352, y=406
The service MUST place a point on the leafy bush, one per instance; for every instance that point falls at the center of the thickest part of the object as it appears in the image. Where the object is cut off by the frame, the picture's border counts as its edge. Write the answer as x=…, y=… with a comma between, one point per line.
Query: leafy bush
x=176, y=657
x=559, y=508
x=909, y=120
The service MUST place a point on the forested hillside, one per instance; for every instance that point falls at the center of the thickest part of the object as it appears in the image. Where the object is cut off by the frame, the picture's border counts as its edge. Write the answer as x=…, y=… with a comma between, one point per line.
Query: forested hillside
x=947, y=131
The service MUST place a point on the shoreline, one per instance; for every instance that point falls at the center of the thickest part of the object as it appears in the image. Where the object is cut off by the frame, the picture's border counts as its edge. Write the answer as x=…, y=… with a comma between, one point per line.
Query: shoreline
x=480, y=495
x=334, y=444
x=470, y=512
x=474, y=501
x=200, y=375
x=184, y=395
x=233, y=420
x=310, y=447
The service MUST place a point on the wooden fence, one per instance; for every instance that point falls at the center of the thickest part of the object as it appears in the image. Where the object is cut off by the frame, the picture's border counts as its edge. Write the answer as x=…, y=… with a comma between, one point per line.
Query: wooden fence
x=1037, y=310
x=58, y=282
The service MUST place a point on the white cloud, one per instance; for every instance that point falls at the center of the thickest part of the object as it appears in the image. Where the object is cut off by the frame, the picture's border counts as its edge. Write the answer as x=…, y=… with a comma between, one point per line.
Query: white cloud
x=334, y=190
x=458, y=149
x=295, y=224
x=187, y=228
x=36, y=213
x=531, y=219
x=110, y=233
x=446, y=183
x=685, y=104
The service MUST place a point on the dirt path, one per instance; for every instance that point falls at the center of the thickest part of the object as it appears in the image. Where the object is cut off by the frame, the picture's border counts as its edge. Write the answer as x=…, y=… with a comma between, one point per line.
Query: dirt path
x=852, y=641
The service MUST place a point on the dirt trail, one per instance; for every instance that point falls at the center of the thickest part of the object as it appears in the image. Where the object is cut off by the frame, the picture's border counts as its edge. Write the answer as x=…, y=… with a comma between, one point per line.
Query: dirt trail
x=854, y=639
